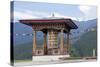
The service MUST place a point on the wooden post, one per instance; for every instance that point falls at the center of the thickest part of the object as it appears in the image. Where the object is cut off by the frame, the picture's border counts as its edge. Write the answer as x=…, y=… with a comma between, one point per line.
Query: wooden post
x=34, y=43
x=68, y=42
x=45, y=44
x=61, y=41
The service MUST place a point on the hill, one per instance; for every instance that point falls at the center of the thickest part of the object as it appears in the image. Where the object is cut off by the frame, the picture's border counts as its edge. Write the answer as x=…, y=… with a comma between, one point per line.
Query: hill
x=87, y=42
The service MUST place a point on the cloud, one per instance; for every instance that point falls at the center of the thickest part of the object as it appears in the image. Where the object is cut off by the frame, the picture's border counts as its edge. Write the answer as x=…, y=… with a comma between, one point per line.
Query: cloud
x=37, y=14
x=22, y=15
x=90, y=12
x=29, y=15
x=85, y=9
x=59, y=15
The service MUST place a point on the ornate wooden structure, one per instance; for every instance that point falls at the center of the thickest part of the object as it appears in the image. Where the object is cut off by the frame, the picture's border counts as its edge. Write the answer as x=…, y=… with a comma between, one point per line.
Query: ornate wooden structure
x=51, y=27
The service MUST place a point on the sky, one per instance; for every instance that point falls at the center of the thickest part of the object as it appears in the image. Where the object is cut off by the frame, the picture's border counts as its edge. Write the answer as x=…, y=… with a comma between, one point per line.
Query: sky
x=33, y=10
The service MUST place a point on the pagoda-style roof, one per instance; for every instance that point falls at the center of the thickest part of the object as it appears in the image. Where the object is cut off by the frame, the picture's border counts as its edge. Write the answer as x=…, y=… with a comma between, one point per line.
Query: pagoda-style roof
x=68, y=22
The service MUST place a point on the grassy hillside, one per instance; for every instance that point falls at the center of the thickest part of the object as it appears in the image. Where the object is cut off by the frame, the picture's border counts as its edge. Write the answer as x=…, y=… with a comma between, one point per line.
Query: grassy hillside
x=23, y=51
x=85, y=45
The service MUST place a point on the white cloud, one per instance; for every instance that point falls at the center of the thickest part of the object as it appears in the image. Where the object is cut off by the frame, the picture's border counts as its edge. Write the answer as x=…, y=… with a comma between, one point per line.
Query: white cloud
x=22, y=15
x=36, y=14
x=58, y=15
x=29, y=15
x=89, y=12
x=85, y=9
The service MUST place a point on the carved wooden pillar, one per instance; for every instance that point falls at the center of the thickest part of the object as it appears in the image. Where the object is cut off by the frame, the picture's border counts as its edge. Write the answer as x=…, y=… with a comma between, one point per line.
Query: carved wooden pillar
x=34, y=43
x=61, y=41
x=45, y=44
x=68, y=42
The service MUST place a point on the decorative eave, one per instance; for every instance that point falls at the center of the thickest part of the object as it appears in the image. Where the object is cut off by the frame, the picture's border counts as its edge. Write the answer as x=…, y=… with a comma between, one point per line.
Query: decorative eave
x=66, y=21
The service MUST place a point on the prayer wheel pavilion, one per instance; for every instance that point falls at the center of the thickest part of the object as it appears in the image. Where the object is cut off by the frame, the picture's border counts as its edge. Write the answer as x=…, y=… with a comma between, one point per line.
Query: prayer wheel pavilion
x=50, y=28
